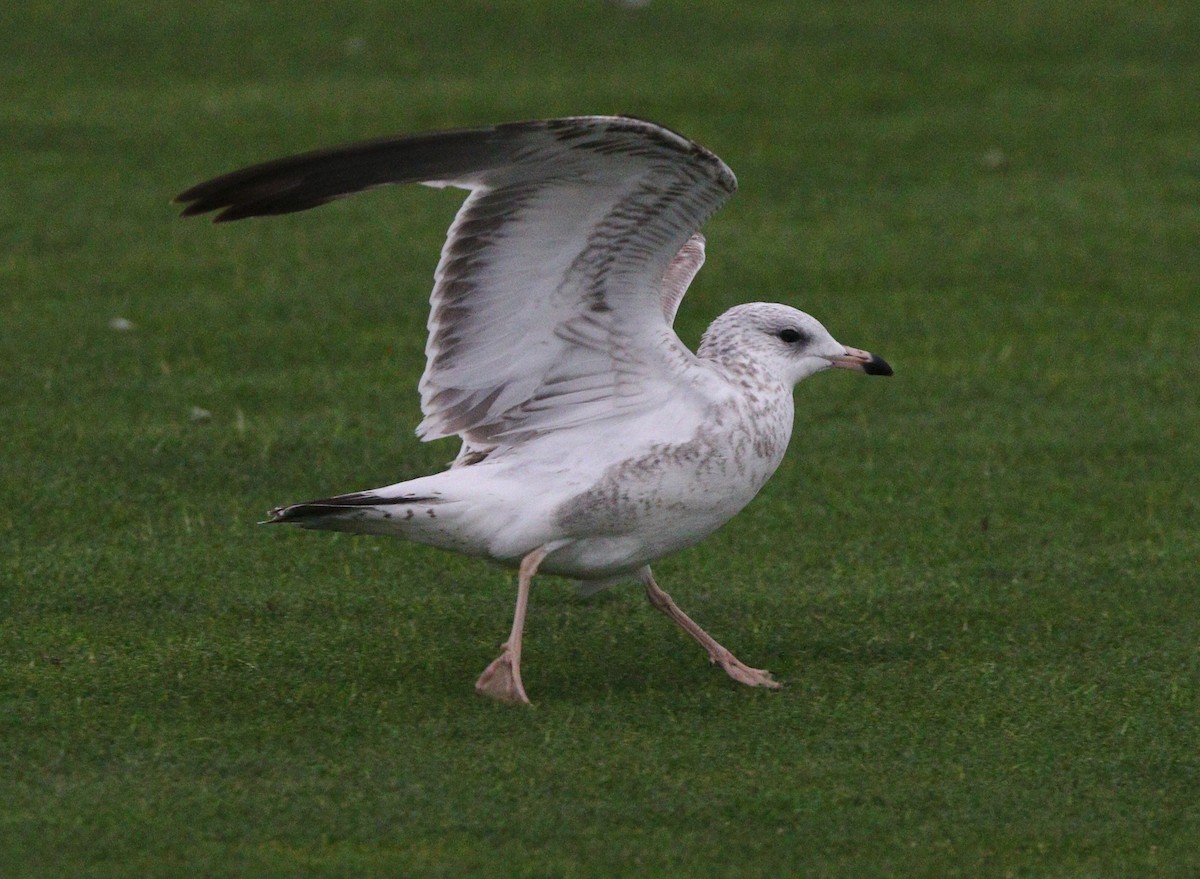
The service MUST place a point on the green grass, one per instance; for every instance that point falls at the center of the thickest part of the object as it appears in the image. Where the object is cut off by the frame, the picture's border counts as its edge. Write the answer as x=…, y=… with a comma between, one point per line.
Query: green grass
x=977, y=579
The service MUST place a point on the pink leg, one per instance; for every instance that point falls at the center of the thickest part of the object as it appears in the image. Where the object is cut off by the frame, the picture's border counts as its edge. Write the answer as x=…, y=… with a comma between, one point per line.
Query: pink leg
x=734, y=667
x=502, y=679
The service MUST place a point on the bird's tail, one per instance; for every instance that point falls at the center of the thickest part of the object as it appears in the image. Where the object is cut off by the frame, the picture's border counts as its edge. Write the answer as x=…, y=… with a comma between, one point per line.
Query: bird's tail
x=363, y=512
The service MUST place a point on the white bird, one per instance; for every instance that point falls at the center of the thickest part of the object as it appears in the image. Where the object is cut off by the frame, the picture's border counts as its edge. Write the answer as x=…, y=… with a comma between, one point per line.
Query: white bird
x=593, y=441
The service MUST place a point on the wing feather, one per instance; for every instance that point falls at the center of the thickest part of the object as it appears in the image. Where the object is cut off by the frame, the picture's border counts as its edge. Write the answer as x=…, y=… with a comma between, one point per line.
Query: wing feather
x=561, y=273
x=679, y=275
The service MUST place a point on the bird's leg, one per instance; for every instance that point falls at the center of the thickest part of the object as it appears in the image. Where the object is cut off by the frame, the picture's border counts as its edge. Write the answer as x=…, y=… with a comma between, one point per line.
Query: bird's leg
x=734, y=667
x=502, y=679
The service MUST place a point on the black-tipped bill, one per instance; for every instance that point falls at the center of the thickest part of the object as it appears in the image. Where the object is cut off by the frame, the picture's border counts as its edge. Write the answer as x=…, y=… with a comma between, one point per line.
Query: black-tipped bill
x=877, y=366
x=863, y=361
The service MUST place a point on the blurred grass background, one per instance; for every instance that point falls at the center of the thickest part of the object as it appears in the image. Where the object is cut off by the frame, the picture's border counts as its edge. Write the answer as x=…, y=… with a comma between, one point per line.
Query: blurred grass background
x=977, y=579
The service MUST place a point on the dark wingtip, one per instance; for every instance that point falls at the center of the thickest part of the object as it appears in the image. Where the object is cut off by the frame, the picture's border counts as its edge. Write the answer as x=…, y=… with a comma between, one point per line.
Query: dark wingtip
x=191, y=210
x=877, y=366
x=194, y=204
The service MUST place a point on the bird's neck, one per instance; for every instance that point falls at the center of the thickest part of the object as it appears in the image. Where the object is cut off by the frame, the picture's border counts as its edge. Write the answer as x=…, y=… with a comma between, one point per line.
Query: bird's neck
x=763, y=404
x=741, y=370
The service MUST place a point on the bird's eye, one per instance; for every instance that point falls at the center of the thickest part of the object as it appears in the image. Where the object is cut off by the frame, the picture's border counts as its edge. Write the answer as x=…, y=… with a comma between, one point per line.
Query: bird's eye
x=790, y=336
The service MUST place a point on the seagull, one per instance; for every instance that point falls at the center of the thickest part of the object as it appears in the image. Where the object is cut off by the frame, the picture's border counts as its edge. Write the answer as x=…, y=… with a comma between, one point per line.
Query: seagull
x=594, y=442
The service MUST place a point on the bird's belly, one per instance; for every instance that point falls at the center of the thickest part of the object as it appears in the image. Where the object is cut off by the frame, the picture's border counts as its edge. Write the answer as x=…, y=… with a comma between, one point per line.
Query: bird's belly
x=596, y=558
x=651, y=506
x=645, y=539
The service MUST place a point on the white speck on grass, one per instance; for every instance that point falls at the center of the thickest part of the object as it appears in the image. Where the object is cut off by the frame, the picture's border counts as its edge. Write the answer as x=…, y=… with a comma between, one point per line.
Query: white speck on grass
x=199, y=415
x=120, y=324
x=995, y=159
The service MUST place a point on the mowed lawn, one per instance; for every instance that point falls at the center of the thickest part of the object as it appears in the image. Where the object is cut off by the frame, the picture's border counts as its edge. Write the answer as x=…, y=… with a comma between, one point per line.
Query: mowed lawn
x=977, y=579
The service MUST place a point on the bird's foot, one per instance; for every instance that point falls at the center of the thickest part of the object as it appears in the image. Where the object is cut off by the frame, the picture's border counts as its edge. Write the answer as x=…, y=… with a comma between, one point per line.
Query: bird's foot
x=502, y=680
x=742, y=673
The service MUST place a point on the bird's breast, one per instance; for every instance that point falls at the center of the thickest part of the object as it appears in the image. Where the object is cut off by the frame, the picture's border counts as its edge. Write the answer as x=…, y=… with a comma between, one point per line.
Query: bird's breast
x=672, y=494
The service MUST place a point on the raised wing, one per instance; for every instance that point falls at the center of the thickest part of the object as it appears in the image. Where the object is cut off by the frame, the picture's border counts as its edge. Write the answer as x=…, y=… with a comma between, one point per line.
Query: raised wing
x=560, y=275
x=679, y=275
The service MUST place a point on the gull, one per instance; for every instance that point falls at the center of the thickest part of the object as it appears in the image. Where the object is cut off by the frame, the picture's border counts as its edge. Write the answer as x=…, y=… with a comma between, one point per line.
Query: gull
x=594, y=442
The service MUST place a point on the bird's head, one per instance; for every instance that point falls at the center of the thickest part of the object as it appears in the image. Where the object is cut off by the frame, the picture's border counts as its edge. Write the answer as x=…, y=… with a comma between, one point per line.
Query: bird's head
x=787, y=343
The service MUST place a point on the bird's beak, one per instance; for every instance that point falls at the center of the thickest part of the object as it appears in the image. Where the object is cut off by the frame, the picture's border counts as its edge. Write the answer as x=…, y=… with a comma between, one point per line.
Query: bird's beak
x=863, y=361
